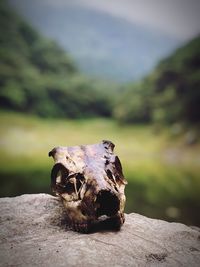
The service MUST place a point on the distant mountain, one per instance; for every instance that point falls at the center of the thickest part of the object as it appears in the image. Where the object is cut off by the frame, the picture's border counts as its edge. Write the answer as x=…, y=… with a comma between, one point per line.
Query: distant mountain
x=102, y=45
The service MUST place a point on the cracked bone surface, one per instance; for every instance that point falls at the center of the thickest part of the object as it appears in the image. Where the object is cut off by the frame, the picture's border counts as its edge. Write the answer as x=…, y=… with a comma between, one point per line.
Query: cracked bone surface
x=90, y=182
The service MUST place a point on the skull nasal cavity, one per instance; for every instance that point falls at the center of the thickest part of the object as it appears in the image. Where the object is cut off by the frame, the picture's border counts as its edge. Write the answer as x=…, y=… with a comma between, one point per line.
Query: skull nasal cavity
x=107, y=203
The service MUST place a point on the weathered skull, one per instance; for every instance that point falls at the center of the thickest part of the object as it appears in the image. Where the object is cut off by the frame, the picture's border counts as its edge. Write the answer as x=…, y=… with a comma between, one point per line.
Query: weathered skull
x=91, y=184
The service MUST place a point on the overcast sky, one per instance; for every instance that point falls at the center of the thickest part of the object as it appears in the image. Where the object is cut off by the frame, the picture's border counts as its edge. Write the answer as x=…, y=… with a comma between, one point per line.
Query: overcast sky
x=179, y=18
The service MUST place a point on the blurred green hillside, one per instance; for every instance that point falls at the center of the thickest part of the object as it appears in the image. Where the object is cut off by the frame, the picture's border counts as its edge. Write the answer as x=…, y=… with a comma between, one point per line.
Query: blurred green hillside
x=169, y=95
x=38, y=77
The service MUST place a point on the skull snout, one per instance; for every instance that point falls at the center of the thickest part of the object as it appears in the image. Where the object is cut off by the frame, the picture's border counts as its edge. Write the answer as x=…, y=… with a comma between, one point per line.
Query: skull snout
x=107, y=203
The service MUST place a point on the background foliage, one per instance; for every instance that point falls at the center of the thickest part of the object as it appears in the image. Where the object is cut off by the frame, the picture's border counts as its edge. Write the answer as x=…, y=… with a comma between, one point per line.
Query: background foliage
x=170, y=94
x=38, y=77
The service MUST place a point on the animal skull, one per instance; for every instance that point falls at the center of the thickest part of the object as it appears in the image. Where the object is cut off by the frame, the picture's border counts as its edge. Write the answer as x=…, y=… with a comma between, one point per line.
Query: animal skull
x=90, y=183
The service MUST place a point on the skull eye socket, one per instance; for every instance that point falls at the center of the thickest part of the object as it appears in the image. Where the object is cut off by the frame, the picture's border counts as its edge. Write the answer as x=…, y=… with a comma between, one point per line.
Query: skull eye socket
x=80, y=177
x=117, y=171
x=58, y=177
x=63, y=182
x=110, y=176
x=74, y=183
x=118, y=165
x=62, y=176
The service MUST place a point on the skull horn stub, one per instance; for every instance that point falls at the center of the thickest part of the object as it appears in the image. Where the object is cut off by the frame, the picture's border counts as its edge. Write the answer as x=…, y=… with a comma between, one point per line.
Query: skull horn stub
x=90, y=182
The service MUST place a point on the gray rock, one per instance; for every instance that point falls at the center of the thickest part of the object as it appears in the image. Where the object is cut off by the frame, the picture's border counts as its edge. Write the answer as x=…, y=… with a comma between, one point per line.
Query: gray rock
x=32, y=234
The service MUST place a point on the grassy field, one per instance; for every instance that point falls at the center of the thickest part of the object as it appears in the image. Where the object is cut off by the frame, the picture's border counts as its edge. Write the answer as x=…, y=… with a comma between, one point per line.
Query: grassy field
x=162, y=172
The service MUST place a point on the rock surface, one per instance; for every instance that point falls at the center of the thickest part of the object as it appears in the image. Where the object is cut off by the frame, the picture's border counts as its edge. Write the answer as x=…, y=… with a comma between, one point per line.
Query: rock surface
x=31, y=234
